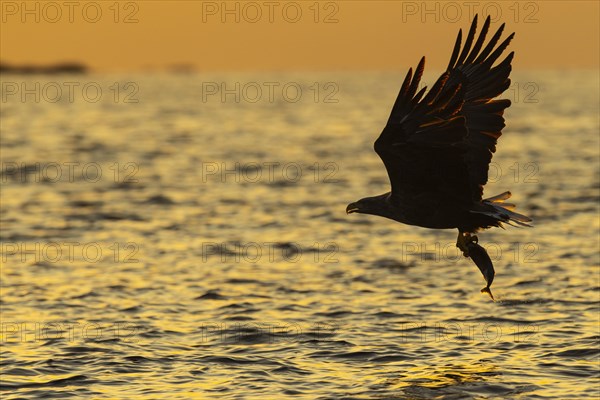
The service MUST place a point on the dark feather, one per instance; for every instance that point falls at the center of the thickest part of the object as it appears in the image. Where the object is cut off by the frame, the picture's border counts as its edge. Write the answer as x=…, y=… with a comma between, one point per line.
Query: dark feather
x=468, y=42
x=480, y=41
x=455, y=51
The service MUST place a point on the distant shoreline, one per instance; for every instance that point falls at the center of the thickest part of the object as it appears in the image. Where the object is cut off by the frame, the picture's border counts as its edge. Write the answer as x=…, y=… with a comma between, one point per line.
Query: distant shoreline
x=63, y=68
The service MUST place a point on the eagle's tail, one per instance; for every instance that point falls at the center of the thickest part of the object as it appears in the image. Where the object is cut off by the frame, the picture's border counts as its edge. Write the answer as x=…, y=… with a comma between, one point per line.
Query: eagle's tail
x=503, y=212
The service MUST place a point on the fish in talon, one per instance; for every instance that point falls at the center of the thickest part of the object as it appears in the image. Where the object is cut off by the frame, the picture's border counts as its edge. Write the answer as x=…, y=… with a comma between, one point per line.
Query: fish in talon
x=481, y=258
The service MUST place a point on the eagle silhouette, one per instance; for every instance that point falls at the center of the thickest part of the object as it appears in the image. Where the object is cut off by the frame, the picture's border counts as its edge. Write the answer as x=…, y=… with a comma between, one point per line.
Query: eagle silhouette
x=437, y=146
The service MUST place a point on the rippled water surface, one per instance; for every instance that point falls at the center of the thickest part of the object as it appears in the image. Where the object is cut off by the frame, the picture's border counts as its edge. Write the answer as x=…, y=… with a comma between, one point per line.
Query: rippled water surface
x=186, y=247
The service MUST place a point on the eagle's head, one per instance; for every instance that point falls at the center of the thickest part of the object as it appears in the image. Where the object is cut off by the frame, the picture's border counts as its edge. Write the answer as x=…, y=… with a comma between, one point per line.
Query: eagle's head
x=377, y=205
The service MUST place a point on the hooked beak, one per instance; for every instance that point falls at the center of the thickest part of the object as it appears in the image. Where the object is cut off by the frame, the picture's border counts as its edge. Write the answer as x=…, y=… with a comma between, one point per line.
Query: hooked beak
x=353, y=207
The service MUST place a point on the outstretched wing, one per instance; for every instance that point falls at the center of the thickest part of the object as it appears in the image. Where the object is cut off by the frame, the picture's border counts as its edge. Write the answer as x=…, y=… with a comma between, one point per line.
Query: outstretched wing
x=441, y=143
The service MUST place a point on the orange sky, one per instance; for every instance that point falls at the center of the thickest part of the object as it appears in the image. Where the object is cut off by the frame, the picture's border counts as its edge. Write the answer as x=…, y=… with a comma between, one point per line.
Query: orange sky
x=331, y=35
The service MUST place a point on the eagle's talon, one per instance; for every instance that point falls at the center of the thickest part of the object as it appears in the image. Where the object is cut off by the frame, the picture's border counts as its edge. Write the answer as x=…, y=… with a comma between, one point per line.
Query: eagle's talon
x=464, y=240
